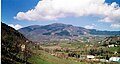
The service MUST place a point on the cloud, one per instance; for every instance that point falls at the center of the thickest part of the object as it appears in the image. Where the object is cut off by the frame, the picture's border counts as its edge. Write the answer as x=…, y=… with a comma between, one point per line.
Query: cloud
x=115, y=25
x=92, y=26
x=17, y=26
x=54, y=9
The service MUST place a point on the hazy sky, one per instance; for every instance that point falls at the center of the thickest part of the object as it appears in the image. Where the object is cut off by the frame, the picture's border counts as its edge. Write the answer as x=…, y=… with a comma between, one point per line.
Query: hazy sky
x=91, y=14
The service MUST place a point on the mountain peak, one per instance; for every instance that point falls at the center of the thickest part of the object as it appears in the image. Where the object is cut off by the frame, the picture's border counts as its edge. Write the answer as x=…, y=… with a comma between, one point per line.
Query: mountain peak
x=62, y=30
x=60, y=24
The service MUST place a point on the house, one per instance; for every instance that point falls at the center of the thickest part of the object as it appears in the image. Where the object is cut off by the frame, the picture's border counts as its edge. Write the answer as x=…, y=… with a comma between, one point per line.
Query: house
x=103, y=60
x=99, y=42
x=90, y=56
x=114, y=59
x=111, y=45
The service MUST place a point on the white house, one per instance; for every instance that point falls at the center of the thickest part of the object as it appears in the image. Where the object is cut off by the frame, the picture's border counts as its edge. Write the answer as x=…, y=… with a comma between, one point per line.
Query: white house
x=114, y=59
x=111, y=45
x=90, y=56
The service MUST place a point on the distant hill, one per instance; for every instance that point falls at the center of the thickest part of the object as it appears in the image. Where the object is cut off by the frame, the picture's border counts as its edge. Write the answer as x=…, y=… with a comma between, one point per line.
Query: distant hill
x=98, y=32
x=59, y=30
x=11, y=41
x=111, y=40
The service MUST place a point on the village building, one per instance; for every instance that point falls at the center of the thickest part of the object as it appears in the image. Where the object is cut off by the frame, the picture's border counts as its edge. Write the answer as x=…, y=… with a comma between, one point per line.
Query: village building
x=90, y=56
x=114, y=59
x=112, y=45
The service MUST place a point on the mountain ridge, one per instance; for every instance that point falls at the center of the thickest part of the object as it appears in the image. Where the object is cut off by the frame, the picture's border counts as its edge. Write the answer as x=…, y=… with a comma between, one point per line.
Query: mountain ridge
x=62, y=30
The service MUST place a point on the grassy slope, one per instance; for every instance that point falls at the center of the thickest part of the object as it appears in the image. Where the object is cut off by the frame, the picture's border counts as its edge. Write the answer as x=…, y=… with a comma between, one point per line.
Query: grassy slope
x=72, y=45
x=42, y=57
x=114, y=49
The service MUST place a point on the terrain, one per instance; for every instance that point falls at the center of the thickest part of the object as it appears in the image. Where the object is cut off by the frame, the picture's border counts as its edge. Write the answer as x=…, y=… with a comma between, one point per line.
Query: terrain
x=11, y=42
x=59, y=31
x=65, y=50
x=11, y=52
x=76, y=51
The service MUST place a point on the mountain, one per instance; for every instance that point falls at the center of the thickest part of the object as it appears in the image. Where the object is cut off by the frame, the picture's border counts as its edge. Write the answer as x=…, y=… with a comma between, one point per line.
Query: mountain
x=59, y=30
x=98, y=32
x=11, y=41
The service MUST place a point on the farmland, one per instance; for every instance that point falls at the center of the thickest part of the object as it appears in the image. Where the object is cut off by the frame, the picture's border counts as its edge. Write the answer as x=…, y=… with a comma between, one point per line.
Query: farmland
x=74, y=52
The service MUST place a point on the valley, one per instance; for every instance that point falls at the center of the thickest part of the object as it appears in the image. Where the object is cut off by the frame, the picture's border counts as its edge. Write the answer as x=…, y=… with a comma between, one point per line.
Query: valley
x=64, y=49
x=82, y=52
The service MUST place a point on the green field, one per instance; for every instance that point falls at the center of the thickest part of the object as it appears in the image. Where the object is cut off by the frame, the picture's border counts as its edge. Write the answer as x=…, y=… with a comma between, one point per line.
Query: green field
x=74, y=47
x=41, y=57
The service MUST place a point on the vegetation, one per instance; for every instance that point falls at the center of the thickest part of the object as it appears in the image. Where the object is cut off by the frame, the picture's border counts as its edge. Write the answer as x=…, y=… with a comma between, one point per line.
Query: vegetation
x=11, y=42
x=41, y=57
x=62, y=51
